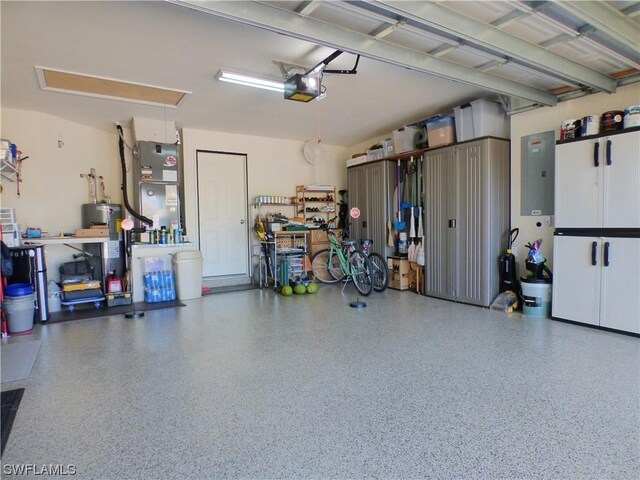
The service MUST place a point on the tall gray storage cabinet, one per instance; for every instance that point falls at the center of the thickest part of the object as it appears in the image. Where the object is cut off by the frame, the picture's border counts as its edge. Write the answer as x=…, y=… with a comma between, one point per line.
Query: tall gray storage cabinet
x=370, y=189
x=467, y=219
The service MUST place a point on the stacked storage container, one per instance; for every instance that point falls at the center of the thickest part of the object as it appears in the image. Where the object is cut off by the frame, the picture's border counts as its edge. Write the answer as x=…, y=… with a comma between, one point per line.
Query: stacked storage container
x=441, y=131
x=480, y=118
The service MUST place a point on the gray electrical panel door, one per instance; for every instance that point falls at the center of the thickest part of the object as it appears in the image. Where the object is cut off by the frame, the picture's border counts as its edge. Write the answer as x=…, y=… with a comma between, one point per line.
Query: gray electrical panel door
x=537, y=176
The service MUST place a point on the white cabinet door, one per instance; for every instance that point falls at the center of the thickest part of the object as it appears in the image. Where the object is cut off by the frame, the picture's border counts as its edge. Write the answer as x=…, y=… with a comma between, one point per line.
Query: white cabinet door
x=621, y=164
x=578, y=184
x=620, y=304
x=576, y=278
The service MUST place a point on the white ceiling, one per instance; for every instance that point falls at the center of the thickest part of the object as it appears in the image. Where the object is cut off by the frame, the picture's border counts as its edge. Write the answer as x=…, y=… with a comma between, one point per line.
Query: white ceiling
x=168, y=45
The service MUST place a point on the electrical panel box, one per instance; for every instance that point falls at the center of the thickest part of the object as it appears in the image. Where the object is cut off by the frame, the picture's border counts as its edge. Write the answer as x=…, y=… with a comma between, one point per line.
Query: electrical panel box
x=537, y=180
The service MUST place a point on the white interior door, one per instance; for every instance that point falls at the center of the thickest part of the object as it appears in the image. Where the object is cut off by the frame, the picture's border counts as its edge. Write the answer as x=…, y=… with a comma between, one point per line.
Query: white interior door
x=222, y=213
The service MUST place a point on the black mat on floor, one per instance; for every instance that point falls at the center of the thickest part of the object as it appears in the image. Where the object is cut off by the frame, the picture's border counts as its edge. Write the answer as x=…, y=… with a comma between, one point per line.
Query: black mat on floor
x=89, y=311
x=227, y=289
x=10, y=403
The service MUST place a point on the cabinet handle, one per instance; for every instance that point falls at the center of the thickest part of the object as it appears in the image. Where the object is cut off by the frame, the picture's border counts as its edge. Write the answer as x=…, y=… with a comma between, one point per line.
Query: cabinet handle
x=606, y=254
x=594, y=252
x=609, y=152
x=452, y=223
x=596, y=154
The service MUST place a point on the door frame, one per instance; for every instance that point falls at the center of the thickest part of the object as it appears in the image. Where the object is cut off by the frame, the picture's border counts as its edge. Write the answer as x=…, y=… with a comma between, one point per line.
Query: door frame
x=249, y=272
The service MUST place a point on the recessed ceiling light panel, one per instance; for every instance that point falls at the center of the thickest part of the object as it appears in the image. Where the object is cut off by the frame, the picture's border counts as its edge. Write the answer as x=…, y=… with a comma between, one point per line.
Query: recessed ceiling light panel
x=102, y=87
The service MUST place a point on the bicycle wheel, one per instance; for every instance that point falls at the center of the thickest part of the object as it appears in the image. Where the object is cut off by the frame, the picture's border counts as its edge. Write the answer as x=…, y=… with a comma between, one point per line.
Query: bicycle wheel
x=361, y=273
x=325, y=266
x=379, y=272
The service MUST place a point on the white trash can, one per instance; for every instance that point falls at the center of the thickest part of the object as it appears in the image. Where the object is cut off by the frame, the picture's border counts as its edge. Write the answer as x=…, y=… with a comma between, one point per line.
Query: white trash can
x=187, y=266
x=19, y=303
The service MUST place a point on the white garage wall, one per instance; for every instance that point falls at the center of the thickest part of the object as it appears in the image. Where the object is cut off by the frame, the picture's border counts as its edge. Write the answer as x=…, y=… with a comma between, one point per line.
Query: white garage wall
x=544, y=120
x=52, y=191
x=275, y=166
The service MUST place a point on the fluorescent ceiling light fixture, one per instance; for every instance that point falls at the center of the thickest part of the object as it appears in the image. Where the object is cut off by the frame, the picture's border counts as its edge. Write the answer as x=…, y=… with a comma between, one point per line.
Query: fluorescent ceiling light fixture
x=250, y=81
x=109, y=88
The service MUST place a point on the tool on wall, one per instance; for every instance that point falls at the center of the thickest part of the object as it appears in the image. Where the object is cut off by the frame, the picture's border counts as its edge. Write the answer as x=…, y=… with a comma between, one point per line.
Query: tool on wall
x=399, y=224
x=103, y=191
x=91, y=184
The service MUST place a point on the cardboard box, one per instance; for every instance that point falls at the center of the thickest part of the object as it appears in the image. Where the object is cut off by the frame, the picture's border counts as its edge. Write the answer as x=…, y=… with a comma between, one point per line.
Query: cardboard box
x=398, y=264
x=92, y=232
x=399, y=281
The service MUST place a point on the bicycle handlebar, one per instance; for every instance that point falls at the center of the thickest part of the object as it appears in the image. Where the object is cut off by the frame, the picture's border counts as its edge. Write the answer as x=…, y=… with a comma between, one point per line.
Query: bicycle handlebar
x=325, y=226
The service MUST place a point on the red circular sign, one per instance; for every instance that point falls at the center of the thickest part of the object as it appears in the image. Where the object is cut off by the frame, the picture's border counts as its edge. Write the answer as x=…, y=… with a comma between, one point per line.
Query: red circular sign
x=355, y=212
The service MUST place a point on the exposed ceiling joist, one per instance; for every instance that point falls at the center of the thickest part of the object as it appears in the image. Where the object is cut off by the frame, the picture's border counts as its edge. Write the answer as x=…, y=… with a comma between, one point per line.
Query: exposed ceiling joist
x=305, y=8
x=479, y=33
x=606, y=19
x=304, y=28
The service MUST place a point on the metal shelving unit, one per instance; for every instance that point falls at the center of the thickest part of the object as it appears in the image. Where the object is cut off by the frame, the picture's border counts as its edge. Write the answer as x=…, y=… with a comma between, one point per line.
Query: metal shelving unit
x=284, y=249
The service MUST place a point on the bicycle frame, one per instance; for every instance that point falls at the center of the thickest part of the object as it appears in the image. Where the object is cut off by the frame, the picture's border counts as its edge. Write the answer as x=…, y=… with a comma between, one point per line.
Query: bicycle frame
x=337, y=248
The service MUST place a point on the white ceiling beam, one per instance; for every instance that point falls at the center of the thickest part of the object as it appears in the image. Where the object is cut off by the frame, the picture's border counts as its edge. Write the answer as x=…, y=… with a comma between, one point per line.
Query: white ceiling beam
x=606, y=19
x=305, y=28
x=484, y=35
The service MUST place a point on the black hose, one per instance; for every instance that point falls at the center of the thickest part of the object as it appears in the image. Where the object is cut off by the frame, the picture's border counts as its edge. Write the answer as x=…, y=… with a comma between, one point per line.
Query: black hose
x=125, y=197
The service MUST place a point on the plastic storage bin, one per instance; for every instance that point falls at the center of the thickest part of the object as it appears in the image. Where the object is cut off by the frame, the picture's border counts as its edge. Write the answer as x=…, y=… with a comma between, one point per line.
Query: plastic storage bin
x=188, y=267
x=480, y=118
x=54, y=297
x=404, y=139
x=441, y=130
x=19, y=304
x=389, y=147
x=375, y=154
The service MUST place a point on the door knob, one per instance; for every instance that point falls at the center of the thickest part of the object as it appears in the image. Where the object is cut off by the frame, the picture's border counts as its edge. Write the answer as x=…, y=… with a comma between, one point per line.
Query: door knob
x=241, y=222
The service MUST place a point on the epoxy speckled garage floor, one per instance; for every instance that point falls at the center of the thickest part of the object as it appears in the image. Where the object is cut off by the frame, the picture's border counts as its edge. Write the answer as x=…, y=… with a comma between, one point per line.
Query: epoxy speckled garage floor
x=255, y=385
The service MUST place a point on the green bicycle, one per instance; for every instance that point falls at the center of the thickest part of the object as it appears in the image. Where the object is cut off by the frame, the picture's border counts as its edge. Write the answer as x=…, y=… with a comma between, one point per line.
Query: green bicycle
x=342, y=260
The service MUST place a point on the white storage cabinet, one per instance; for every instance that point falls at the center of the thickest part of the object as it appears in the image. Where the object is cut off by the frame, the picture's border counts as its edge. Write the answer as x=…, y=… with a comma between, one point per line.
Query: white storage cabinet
x=597, y=182
x=596, y=281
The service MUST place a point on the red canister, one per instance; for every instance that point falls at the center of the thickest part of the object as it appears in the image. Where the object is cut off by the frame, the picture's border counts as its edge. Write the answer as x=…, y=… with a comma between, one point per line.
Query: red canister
x=611, y=121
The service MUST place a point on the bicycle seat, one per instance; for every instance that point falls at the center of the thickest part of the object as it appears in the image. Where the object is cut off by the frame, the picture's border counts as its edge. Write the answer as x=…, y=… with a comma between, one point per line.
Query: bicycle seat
x=349, y=245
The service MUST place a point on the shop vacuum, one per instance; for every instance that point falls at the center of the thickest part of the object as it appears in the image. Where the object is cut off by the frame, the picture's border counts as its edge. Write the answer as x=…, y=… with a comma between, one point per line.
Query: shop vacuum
x=508, y=278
